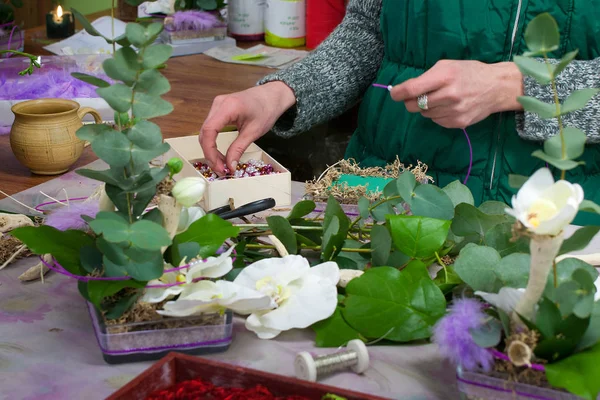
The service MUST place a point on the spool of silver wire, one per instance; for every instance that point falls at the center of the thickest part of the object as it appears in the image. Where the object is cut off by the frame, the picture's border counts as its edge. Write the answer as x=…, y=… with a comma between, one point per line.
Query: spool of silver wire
x=356, y=357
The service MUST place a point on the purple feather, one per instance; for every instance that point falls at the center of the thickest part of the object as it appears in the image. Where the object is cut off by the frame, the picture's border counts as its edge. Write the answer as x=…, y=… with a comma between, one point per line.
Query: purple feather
x=194, y=20
x=454, y=340
x=69, y=217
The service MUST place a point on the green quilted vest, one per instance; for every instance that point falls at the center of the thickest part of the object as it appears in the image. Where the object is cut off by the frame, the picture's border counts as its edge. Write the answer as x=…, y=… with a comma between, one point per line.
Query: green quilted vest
x=417, y=33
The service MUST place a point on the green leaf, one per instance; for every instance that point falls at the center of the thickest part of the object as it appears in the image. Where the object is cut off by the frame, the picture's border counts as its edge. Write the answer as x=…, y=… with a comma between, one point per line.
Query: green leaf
x=382, y=302
x=574, y=144
x=144, y=156
x=334, y=331
x=563, y=165
x=542, y=35
x=564, y=272
x=92, y=131
x=397, y=259
x=430, y=201
x=414, y=271
x=99, y=290
x=531, y=104
x=113, y=148
x=122, y=306
x=493, y=208
x=447, y=279
x=302, y=209
x=533, y=68
x=405, y=185
x=500, y=237
x=91, y=259
x=156, y=55
x=513, y=270
x=363, y=207
x=283, y=231
x=117, y=96
x=145, y=134
x=418, y=237
x=381, y=245
x=153, y=83
x=391, y=189
x=516, y=181
x=475, y=266
x=65, y=246
x=577, y=100
x=469, y=220
x=148, y=235
x=148, y=106
x=459, y=193
x=346, y=263
x=210, y=232
x=335, y=229
x=576, y=295
x=488, y=335
x=547, y=318
x=592, y=334
x=87, y=26
x=589, y=206
x=92, y=80
x=124, y=66
x=112, y=226
x=140, y=36
x=564, y=61
x=381, y=212
x=579, y=240
x=578, y=373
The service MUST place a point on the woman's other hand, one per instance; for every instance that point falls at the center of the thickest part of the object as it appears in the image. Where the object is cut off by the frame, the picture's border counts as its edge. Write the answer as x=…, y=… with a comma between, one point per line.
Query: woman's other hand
x=462, y=93
x=254, y=111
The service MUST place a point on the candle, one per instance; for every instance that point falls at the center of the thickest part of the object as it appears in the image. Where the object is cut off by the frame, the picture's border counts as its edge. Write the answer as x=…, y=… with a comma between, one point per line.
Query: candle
x=59, y=24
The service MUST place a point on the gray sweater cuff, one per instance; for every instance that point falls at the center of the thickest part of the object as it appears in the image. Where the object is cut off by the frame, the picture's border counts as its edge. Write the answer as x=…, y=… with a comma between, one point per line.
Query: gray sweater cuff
x=578, y=75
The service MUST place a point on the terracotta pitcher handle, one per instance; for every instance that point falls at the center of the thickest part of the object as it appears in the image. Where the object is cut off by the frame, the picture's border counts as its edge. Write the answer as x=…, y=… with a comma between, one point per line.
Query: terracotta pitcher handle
x=89, y=110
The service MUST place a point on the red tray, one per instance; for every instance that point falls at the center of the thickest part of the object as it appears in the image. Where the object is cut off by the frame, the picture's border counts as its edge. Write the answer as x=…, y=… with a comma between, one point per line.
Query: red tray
x=177, y=367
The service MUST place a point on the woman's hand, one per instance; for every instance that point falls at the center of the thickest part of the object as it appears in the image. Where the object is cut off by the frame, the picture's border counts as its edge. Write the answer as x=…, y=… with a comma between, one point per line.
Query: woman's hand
x=253, y=111
x=462, y=93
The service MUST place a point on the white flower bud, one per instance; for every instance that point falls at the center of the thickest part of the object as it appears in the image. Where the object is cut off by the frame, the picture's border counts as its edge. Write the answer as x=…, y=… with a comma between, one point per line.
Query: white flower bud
x=189, y=191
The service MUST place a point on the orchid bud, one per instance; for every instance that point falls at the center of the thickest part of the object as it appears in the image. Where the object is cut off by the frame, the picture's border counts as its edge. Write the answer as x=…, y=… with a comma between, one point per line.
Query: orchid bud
x=189, y=191
x=175, y=166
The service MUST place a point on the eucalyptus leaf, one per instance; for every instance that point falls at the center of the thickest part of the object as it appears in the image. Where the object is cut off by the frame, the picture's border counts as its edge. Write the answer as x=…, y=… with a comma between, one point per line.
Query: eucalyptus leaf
x=542, y=34
x=154, y=215
x=123, y=66
x=418, y=237
x=516, y=181
x=564, y=273
x=381, y=212
x=531, y=104
x=475, y=266
x=513, y=270
x=153, y=83
x=382, y=302
x=563, y=165
x=564, y=61
x=391, y=190
x=149, y=106
x=145, y=134
x=576, y=295
x=302, y=209
x=335, y=228
x=533, y=68
x=363, y=207
x=458, y=193
x=117, y=96
x=381, y=245
x=405, y=185
x=430, y=201
x=488, y=335
x=580, y=239
x=90, y=132
x=140, y=36
x=500, y=237
x=113, y=227
x=113, y=147
x=156, y=55
x=140, y=155
x=578, y=373
x=87, y=26
x=92, y=80
x=492, y=207
x=283, y=231
x=577, y=100
x=592, y=333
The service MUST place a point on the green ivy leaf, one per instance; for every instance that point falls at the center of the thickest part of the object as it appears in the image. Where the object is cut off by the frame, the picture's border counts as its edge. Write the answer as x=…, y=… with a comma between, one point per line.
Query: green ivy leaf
x=547, y=318
x=469, y=220
x=578, y=373
x=516, y=181
x=563, y=165
x=147, y=106
x=113, y=148
x=475, y=266
x=283, y=231
x=458, y=193
x=382, y=302
x=334, y=331
x=567, y=334
x=574, y=144
x=533, y=68
x=381, y=245
x=447, y=279
x=335, y=229
x=91, y=259
x=92, y=131
x=430, y=201
x=65, y=246
x=92, y=80
x=156, y=55
x=531, y=104
x=99, y=290
x=346, y=263
x=564, y=61
x=123, y=66
x=579, y=240
x=488, y=335
x=542, y=35
x=577, y=100
x=117, y=96
x=145, y=134
x=302, y=209
x=500, y=237
x=418, y=237
x=124, y=304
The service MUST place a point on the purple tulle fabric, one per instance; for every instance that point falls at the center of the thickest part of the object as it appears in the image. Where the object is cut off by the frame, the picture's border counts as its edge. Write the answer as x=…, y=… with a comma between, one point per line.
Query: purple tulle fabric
x=454, y=339
x=69, y=217
x=194, y=20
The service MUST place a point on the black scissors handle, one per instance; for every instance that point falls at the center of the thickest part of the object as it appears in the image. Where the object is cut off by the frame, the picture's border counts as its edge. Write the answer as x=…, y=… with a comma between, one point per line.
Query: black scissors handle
x=226, y=212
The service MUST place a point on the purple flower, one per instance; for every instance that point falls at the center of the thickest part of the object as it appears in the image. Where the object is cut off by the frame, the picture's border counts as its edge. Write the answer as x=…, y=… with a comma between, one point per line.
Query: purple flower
x=69, y=217
x=194, y=20
x=454, y=340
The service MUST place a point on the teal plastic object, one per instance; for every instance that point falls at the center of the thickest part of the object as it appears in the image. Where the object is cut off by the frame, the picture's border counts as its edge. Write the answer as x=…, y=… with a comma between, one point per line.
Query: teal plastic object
x=374, y=184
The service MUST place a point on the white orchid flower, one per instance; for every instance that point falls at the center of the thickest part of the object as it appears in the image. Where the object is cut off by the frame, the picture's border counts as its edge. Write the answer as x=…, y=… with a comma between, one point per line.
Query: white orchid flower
x=546, y=207
x=189, y=191
x=506, y=299
x=597, y=283
x=212, y=267
x=208, y=296
x=188, y=216
x=300, y=295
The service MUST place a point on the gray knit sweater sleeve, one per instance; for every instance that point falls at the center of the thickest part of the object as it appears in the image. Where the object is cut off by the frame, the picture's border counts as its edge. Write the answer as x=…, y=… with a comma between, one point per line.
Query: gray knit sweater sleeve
x=578, y=75
x=332, y=78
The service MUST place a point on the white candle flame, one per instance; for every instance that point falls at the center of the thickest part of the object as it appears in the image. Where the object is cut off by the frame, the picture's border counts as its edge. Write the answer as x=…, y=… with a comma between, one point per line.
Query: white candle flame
x=59, y=12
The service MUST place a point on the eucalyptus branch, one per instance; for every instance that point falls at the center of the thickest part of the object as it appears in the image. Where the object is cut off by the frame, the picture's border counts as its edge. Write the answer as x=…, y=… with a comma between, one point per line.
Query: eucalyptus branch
x=558, y=110
x=314, y=248
x=374, y=206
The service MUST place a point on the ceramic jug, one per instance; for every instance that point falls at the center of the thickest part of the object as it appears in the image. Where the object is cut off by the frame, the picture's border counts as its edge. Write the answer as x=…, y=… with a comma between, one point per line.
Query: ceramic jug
x=43, y=134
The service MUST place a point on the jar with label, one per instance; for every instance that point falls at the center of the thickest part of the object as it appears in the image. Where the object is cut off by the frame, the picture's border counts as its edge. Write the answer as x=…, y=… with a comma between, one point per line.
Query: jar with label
x=285, y=23
x=246, y=19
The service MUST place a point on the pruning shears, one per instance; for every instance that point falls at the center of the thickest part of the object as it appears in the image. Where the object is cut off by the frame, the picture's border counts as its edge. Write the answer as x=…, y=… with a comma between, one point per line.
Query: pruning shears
x=226, y=212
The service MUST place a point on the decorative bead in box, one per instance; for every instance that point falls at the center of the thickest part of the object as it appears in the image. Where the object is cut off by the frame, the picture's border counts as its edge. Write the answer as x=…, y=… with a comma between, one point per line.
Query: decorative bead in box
x=52, y=80
x=242, y=190
x=478, y=386
x=176, y=368
x=152, y=340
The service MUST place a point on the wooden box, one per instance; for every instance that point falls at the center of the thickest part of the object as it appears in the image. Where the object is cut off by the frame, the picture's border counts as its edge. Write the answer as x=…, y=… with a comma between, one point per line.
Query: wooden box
x=175, y=368
x=242, y=190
